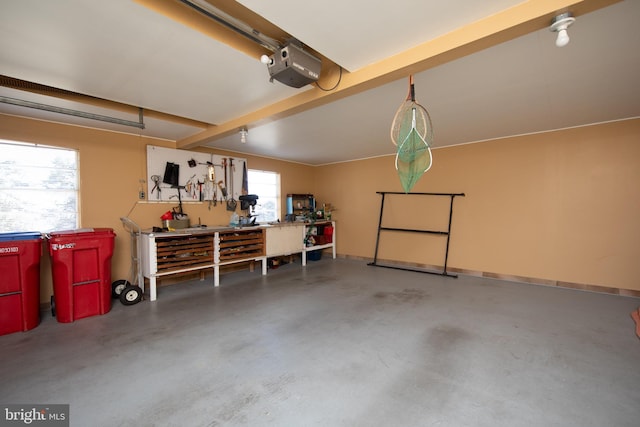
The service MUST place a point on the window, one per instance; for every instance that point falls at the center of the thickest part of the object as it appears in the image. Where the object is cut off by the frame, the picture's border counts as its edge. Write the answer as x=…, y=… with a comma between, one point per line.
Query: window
x=267, y=186
x=38, y=188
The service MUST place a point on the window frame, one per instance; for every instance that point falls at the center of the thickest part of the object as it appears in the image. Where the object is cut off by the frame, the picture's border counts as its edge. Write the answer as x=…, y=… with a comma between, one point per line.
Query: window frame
x=278, y=196
x=54, y=182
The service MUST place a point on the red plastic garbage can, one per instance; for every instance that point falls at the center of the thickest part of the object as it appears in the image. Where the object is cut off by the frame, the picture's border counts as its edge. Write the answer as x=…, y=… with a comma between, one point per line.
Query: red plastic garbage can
x=81, y=272
x=20, y=255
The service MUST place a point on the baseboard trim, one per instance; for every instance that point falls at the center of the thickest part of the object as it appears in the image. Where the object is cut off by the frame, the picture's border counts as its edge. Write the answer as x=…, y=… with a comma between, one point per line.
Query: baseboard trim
x=498, y=276
x=511, y=278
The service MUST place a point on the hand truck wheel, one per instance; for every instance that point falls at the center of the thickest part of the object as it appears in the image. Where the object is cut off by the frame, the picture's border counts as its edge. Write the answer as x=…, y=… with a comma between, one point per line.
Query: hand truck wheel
x=117, y=287
x=131, y=295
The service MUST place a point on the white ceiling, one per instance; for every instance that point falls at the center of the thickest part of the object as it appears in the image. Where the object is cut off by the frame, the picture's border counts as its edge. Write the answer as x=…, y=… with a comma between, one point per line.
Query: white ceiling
x=348, y=32
x=121, y=51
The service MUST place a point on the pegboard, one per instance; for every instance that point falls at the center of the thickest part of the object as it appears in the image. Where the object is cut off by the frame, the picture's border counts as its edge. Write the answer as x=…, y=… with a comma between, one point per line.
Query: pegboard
x=193, y=175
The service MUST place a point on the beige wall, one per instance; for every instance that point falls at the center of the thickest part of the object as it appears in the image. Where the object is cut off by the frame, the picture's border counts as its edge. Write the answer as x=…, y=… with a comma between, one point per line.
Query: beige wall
x=111, y=165
x=559, y=206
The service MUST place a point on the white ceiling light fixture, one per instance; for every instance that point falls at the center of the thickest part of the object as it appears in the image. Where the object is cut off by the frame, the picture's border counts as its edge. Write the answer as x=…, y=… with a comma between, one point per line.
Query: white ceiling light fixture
x=559, y=25
x=243, y=135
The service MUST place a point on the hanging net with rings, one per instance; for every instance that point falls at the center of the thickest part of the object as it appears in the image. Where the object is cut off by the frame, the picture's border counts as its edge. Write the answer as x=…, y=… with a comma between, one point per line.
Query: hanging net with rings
x=412, y=134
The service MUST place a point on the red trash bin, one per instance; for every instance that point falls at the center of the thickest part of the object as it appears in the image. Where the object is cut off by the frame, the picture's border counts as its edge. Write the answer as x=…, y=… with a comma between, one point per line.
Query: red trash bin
x=20, y=255
x=81, y=272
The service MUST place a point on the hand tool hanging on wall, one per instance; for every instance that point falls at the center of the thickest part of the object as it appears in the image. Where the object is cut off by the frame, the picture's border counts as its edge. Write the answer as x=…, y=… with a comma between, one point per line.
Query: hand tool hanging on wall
x=156, y=185
x=231, y=202
x=210, y=186
x=215, y=187
x=194, y=187
x=193, y=163
x=221, y=184
x=190, y=187
x=171, y=174
x=223, y=190
x=245, y=179
x=172, y=177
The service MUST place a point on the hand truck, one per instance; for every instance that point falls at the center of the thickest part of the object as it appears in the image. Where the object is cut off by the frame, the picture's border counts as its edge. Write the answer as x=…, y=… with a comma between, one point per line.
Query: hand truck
x=130, y=293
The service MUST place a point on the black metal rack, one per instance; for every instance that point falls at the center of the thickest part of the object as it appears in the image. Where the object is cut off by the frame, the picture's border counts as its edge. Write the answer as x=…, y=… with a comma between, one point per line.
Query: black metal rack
x=447, y=233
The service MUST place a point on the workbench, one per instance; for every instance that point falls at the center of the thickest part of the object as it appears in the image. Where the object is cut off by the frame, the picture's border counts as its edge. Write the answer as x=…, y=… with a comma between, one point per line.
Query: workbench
x=197, y=249
x=289, y=238
x=193, y=249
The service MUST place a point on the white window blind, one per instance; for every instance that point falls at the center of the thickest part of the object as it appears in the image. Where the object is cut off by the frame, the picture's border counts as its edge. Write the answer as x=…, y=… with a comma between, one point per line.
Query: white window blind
x=38, y=188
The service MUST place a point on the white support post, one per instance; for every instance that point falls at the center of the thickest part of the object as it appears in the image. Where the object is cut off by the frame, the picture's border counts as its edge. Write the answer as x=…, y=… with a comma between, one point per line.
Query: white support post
x=153, y=295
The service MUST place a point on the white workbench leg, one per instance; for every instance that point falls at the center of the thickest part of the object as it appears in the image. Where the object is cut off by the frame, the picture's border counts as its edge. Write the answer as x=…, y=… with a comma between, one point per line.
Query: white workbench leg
x=304, y=258
x=333, y=239
x=152, y=288
x=216, y=275
x=264, y=266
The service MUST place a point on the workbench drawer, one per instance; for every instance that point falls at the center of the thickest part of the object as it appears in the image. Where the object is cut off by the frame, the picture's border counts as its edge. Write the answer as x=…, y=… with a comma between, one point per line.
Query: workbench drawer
x=180, y=253
x=241, y=244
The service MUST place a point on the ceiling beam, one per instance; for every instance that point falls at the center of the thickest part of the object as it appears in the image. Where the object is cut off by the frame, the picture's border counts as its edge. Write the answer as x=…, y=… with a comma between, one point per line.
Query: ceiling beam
x=187, y=16
x=40, y=89
x=179, y=12
x=511, y=23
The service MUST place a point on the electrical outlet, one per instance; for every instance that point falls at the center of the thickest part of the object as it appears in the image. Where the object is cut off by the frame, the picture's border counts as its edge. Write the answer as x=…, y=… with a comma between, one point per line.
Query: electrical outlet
x=141, y=195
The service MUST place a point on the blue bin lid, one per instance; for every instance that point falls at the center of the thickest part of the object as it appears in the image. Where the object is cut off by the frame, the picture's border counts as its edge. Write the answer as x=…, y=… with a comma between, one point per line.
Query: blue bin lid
x=25, y=235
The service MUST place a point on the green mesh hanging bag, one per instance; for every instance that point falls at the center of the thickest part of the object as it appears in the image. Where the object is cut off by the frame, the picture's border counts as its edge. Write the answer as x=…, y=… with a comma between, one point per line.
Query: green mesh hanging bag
x=412, y=133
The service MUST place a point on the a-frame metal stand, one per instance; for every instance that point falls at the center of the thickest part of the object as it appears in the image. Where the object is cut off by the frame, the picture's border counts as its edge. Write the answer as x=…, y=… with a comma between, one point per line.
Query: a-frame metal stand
x=447, y=233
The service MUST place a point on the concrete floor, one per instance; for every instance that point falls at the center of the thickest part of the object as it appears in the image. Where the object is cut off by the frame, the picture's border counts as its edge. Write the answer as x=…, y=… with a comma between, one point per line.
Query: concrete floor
x=338, y=343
